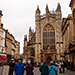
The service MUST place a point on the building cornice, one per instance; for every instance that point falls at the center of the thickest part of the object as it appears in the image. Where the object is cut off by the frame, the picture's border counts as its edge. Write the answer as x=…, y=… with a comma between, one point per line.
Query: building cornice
x=71, y=3
x=63, y=25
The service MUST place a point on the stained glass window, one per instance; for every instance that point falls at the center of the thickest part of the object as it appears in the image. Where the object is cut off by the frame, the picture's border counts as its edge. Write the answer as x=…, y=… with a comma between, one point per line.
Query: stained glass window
x=32, y=52
x=48, y=37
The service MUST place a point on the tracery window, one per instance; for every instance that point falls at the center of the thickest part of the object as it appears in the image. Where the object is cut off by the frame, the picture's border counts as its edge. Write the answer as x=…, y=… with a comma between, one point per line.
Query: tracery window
x=48, y=37
x=32, y=52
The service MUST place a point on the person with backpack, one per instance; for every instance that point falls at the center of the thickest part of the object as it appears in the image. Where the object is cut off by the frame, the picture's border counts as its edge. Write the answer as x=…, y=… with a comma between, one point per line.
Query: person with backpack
x=52, y=69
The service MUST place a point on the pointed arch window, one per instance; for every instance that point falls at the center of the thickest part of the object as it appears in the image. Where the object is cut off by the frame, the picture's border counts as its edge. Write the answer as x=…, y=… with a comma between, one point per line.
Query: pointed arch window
x=32, y=52
x=48, y=37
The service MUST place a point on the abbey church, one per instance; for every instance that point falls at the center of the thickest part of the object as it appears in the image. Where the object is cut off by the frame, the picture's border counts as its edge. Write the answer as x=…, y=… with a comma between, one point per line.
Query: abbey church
x=46, y=42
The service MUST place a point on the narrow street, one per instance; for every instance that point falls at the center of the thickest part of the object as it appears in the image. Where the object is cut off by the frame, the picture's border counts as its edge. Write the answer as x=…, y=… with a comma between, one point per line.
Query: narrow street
x=67, y=72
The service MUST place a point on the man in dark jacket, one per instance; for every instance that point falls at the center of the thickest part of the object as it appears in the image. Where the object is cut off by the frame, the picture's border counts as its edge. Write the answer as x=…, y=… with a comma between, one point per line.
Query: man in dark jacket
x=19, y=68
x=11, y=67
x=29, y=69
x=44, y=69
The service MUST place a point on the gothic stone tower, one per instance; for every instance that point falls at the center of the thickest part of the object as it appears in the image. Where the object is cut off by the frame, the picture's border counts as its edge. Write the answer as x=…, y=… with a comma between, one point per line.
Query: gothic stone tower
x=48, y=34
x=46, y=42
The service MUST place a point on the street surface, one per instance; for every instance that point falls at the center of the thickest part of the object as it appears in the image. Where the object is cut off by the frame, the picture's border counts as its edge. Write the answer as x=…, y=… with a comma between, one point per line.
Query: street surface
x=67, y=72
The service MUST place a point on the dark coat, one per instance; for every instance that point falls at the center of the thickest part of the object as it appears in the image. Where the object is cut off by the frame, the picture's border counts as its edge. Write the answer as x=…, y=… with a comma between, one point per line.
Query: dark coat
x=44, y=69
x=29, y=69
x=11, y=68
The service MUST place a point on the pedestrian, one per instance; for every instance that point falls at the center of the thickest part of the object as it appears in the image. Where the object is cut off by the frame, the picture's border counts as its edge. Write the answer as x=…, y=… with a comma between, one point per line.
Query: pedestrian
x=59, y=65
x=62, y=66
x=11, y=67
x=44, y=69
x=19, y=68
x=29, y=68
x=52, y=69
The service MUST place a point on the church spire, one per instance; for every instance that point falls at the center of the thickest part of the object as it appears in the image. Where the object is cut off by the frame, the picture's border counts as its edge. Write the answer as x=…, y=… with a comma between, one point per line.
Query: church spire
x=25, y=37
x=38, y=10
x=47, y=9
x=37, y=15
x=58, y=12
x=58, y=7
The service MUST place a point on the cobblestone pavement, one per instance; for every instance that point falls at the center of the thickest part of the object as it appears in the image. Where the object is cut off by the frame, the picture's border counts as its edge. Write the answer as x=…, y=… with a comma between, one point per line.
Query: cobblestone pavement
x=67, y=72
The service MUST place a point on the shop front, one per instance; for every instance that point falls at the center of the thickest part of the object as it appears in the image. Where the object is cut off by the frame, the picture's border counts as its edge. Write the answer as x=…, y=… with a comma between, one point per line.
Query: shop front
x=72, y=52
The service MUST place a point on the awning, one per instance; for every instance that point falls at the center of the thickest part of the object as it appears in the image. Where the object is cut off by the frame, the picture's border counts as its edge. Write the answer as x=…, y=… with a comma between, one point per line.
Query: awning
x=4, y=57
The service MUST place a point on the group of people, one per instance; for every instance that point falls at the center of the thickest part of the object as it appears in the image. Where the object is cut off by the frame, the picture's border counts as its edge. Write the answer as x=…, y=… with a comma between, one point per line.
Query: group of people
x=52, y=69
x=19, y=68
x=45, y=69
x=61, y=65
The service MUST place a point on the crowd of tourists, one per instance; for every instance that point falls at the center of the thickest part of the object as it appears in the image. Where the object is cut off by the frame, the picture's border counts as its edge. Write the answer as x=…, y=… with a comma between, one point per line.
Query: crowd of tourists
x=19, y=68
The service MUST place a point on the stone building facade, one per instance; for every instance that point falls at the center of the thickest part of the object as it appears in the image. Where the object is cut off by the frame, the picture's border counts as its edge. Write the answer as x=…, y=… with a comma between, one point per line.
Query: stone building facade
x=46, y=42
x=67, y=32
x=9, y=47
x=72, y=46
x=13, y=46
x=2, y=37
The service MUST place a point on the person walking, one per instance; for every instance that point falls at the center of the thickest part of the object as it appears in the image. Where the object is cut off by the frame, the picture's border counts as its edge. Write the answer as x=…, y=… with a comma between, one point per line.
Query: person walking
x=29, y=68
x=52, y=69
x=19, y=68
x=59, y=65
x=62, y=66
x=44, y=69
x=11, y=67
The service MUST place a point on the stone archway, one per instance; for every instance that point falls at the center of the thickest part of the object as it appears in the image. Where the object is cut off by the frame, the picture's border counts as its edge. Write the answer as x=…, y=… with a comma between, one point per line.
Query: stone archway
x=48, y=59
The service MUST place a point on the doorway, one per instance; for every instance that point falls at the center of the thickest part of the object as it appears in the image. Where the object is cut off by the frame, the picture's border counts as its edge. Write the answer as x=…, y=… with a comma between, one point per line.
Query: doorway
x=48, y=60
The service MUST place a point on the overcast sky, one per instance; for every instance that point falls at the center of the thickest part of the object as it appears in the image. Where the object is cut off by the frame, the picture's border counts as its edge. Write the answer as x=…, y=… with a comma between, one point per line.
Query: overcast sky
x=19, y=15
